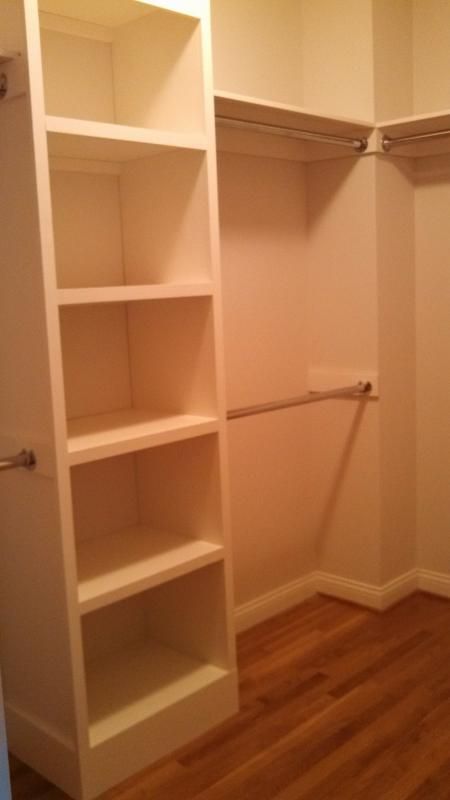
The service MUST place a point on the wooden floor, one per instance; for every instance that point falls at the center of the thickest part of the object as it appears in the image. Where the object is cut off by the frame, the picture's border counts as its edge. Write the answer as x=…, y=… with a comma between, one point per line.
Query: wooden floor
x=338, y=703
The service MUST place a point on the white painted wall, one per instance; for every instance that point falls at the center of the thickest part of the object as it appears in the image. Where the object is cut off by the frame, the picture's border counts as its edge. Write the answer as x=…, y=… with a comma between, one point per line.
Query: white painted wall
x=262, y=212
x=433, y=362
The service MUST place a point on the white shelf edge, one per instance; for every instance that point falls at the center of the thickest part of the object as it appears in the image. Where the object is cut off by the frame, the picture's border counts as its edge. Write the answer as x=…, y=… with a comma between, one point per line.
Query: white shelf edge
x=433, y=116
x=118, y=433
x=269, y=105
x=125, y=294
x=124, y=134
x=181, y=556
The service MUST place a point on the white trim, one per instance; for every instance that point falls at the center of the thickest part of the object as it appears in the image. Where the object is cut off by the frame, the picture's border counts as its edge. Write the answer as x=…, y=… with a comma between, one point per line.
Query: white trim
x=434, y=582
x=378, y=598
x=45, y=749
x=272, y=603
x=366, y=594
x=363, y=594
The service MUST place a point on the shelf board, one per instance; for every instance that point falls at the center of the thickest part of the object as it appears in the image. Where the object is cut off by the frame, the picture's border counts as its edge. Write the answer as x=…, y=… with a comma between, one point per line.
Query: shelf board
x=129, y=686
x=119, y=432
x=270, y=113
x=252, y=109
x=102, y=141
x=115, y=566
x=416, y=125
x=126, y=294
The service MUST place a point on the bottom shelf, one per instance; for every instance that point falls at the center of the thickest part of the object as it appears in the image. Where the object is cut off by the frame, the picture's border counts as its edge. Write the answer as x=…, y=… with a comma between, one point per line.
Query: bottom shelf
x=128, y=687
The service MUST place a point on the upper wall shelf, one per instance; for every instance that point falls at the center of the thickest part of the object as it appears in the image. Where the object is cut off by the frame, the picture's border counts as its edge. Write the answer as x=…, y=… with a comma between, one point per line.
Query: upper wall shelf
x=419, y=125
x=253, y=110
x=102, y=141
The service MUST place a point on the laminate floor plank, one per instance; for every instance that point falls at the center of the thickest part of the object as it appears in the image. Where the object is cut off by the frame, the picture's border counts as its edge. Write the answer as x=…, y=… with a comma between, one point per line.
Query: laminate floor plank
x=337, y=703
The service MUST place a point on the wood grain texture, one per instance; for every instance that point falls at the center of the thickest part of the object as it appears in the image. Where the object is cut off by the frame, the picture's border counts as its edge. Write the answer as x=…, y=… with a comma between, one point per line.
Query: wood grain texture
x=336, y=702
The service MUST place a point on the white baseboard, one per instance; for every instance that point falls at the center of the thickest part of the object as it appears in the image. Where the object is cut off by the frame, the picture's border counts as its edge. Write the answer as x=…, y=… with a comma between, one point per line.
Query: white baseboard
x=379, y=598
x=434, y=582
x=272, y=603
x=365, y=594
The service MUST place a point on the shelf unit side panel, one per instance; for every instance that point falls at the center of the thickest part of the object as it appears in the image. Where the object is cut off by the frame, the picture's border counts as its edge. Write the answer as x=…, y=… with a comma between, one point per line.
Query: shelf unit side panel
x=95, y=359
x=189, y=615
x=104, y=497
x=172, y=356
x=164, y=207
x=38, y=636
x=78, y=76
x=179, y=488
x=218, y=505
x=166, y=49
x=87, y=229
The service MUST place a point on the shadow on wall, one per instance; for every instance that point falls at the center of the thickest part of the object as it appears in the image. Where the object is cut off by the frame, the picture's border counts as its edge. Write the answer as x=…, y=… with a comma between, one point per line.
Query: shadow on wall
x=338, y=478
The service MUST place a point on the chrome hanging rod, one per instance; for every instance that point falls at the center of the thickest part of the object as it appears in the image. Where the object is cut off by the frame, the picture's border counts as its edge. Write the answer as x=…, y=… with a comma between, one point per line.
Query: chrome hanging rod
x=360, y=145
x=358, y=389
x=388, y=143
x=25, y=458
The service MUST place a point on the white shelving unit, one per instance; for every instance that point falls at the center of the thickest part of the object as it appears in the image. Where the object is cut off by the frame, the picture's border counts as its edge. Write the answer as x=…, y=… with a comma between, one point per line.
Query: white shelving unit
x=129, y=522
x=116, y=613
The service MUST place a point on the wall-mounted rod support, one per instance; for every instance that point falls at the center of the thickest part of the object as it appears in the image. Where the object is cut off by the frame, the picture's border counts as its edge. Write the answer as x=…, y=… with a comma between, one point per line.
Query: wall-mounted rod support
x=388, y=143
x=358, y=389
x=360, y=145
x=25, y=458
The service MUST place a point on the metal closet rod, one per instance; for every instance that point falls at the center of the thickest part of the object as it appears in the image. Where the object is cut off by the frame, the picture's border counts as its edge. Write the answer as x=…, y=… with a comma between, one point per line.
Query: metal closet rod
x=360, y=145
x=388, y=143
x=359, y=389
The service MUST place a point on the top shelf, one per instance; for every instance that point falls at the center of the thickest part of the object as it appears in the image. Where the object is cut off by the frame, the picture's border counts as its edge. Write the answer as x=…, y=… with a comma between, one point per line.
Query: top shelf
x=417, y=126
x=260, y=112
x=116, y=14
x=271, y=113
x=254, y=110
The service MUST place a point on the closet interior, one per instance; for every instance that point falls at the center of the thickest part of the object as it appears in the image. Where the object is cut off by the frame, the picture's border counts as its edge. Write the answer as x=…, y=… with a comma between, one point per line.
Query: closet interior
x=143, y=145
x=333, y=272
